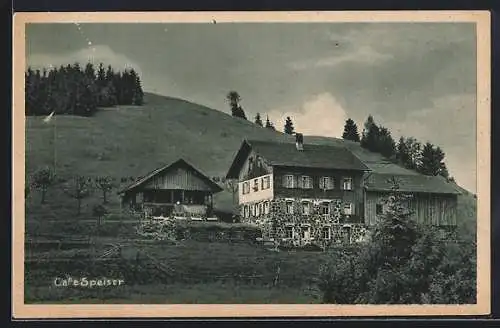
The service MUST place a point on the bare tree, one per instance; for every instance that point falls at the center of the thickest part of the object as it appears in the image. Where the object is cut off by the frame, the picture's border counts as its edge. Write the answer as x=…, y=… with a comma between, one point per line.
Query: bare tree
x=42, y=180
x=80, y=190
x=104, y=184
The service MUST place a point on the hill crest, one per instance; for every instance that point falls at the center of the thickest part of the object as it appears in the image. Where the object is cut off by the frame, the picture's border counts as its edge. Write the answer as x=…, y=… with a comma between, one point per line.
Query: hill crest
x=130, y=141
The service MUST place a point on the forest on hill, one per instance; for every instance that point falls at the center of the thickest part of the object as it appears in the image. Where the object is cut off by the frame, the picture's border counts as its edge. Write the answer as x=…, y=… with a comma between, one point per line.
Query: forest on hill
x=77, y=90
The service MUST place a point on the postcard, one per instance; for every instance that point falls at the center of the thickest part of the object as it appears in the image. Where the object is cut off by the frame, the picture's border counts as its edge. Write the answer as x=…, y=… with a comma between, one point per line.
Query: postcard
x=251, y=164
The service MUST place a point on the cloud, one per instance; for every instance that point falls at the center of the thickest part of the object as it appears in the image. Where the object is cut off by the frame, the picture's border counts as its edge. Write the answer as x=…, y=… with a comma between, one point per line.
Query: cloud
x=361, y=55
x=95, y=54
x=318, y=115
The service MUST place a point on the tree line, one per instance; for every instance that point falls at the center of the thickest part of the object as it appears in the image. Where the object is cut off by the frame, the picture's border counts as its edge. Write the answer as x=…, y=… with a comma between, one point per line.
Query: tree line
x=74, y=90
x=234, y=100
x=425, y=158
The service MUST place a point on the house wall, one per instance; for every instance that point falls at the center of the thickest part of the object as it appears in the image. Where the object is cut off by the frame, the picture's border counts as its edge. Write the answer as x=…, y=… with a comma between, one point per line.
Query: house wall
x=179, y=179
x=354, y=196
x=429, y=209
x=260, y=193
x=288, y=228
x=254, y=166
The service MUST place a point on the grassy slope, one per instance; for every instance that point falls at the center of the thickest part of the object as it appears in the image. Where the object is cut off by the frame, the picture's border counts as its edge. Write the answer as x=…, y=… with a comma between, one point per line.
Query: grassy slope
x=130, y=141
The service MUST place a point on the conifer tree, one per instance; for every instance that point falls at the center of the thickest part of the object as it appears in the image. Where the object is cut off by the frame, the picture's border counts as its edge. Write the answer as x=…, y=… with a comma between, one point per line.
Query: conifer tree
x=137, y=93
x=370, y=136
x=408, y=152
x=269, y=125
x=386, y=145
x=234, y=102
x=350, y=131
x=432, y=161
x=258, y=120
x=289, y=129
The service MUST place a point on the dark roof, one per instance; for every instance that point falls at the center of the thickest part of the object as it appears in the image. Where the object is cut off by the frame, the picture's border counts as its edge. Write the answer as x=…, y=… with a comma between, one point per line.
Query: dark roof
x=410, y=183
x=286, y=154
x=181, y=162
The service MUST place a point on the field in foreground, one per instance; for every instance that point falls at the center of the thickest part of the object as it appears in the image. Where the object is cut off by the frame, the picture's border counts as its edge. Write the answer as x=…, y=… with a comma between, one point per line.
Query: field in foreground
x=185, y=272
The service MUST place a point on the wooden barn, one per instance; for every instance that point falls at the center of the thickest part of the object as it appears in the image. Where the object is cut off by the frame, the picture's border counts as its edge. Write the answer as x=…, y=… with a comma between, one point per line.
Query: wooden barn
x=177, y=189
x=432, y=200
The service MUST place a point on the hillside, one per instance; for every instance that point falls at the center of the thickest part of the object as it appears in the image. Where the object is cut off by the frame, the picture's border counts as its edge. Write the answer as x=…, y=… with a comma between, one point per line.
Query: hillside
x=129, y=141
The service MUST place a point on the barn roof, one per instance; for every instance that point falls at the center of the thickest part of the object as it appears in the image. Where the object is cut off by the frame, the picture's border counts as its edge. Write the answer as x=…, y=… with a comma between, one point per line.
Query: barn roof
x=286, y=154
x=179, y=163
x=410, y=183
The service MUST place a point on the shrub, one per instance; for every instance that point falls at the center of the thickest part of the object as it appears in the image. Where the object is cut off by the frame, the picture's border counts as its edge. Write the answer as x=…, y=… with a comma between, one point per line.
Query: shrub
x=338, y=280
x=402, y=264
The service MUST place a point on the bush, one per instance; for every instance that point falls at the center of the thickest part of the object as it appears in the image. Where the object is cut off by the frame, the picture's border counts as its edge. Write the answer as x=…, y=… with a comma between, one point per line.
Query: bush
x=403, y=264
x=201, y=231
x=338, y=280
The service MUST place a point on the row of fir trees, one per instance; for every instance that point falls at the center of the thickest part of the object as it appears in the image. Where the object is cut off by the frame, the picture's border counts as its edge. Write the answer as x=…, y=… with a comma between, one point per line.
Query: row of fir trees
x=234, y=100
x=77, y=90
x=425, y=158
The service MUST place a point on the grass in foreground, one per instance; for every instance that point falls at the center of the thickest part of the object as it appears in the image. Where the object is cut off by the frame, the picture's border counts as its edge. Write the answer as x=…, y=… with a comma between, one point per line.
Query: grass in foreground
x=207, y=293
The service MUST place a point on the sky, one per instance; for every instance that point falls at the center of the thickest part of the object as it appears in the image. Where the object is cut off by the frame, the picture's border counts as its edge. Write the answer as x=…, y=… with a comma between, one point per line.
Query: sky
x=417, y=79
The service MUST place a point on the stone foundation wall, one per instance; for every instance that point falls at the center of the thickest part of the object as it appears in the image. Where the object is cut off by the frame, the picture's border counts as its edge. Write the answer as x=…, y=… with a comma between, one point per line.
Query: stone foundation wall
x=322, y=229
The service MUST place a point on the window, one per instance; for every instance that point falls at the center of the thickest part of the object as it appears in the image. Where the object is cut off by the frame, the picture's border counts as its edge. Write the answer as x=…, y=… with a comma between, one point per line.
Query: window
x=289, y=181
x=246, y=187
x=289, y=232
x=256, y=185
x=246, y=213
x=346, y=235
x=379, y=209
x=266, y=182
x=325, y=233
x=305, y=232
x=348, y=209
x=261, y=207
x=347, y=184
x=306, y=208
x=252, y=210
x=326, y=183
x=289, y=207
x=306, y=182
x=266, y=207
x=250, y=164
x=325, y=208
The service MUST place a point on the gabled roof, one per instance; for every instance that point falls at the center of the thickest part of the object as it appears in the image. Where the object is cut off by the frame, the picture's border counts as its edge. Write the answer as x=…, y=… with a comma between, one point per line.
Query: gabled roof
x=286, y=154
x=179, y=163
x=410, y=183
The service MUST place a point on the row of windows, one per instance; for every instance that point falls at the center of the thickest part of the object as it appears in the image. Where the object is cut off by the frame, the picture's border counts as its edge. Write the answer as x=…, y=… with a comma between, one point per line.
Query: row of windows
x=306, y=182
x=305, y=232
x=256, y=209
x=265, y=183
x=305, y=208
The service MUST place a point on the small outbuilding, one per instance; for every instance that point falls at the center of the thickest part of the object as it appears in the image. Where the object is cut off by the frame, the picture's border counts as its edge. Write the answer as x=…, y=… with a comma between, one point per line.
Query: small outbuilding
x=177, y=189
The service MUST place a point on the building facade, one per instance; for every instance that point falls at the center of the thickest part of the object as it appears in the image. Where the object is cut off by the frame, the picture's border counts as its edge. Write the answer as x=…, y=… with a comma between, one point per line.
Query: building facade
x=299, y=194
x=177, y=189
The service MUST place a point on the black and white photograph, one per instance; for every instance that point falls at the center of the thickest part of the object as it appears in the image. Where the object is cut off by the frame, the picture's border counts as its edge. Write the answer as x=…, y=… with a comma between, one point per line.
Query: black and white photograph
x=238, y=160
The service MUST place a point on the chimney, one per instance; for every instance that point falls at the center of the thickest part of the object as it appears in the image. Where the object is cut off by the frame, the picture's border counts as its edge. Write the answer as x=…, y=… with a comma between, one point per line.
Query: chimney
x=299, y=141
